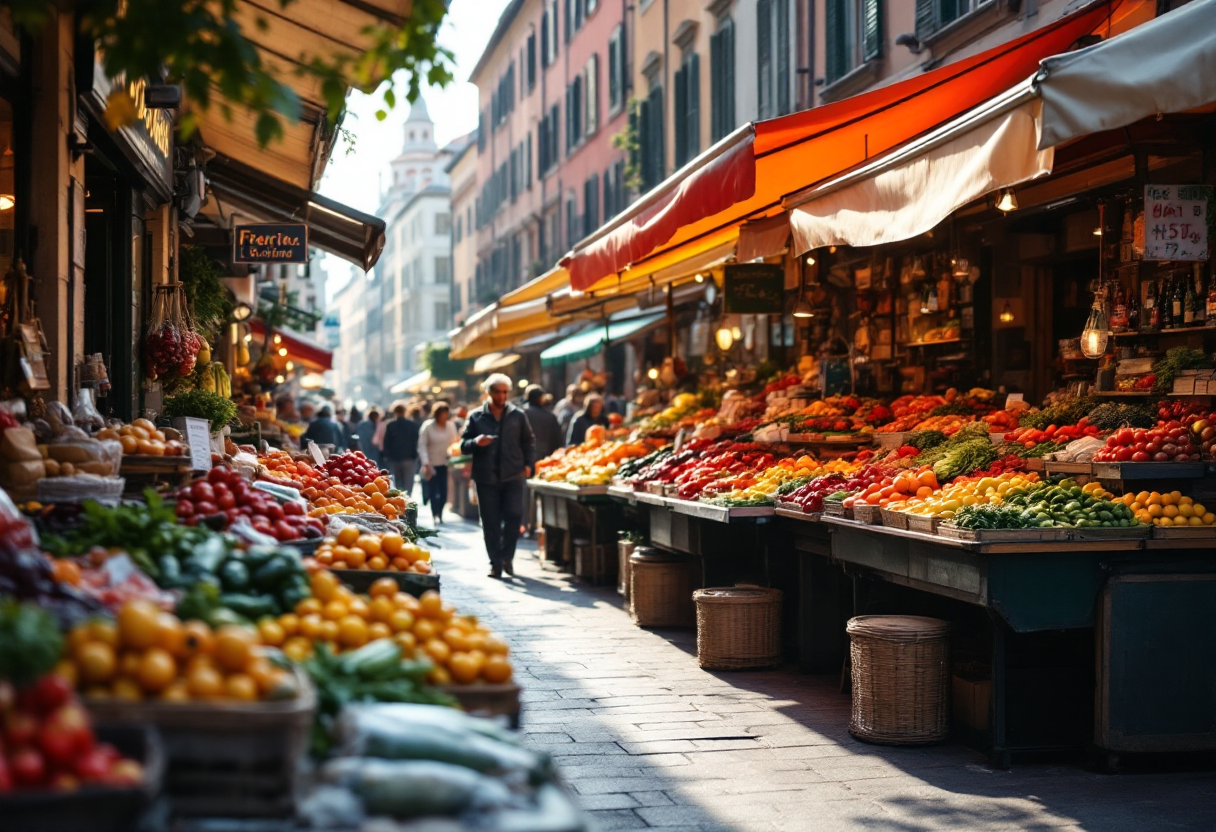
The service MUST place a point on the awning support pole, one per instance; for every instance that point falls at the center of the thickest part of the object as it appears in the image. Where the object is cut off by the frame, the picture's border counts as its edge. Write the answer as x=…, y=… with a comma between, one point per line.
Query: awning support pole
x=671, y=321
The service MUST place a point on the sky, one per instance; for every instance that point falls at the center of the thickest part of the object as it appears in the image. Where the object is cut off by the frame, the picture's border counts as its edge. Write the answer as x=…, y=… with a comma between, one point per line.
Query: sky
x=354, y=178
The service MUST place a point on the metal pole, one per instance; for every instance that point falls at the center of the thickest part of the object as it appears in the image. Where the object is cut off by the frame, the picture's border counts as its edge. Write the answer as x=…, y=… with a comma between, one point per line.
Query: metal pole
x=671, y=321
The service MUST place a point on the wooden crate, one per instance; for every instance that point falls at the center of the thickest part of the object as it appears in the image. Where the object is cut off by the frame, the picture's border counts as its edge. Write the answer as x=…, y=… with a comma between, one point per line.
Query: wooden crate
x=836, y=508
x=225, y=759
x=894, y=518
x=921, y=523
x=868, y=514
x=1051, y=534
x=1184, y=532
x=488, y=700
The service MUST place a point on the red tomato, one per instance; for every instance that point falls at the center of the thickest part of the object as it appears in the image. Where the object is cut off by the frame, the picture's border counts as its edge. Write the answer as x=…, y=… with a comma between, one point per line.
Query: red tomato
x=293, y=509
x=205, y=508
x=28, y=767
x=45, y=695
x=184, y=507
x=202, y=491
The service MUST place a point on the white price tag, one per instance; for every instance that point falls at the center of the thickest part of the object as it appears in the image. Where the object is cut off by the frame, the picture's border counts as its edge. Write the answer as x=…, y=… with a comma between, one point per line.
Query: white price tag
x=1013, y=397
x=317, y=456
x=197, y=433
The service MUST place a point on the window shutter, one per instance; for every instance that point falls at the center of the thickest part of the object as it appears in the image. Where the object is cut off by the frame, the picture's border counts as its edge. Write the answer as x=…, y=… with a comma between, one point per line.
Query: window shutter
x=836, y=21
x=544, y=39
x=716, y=84
x=658, y=148
x=926, y=18
x=528, y=161
x=569, y=18
x=692, y=83
x=782, y=56
x=612, y=86
x=531, y=51
x=609, y=212
x=764, y=54
x=678, y=116
x=871, y=29
x=592, y=88
x=640, y=157
x=569, y=117
x=728, y=75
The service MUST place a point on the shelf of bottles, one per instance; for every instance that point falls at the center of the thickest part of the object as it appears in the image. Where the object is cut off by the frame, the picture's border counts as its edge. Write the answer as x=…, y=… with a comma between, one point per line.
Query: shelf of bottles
x=1154, y=298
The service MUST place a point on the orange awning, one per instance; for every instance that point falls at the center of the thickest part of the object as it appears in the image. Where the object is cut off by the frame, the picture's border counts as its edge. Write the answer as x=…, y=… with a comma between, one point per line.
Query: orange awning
x=746, y=175
x=299, y=350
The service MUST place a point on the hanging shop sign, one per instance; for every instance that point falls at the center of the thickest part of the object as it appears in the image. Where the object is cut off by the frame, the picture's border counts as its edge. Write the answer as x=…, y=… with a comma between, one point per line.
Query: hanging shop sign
x=754, y=288
x=1176, y=222
x=278, y=242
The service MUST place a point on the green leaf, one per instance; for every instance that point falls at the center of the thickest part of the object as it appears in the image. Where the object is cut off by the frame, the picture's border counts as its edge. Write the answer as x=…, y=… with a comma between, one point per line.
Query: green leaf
x=381, y=115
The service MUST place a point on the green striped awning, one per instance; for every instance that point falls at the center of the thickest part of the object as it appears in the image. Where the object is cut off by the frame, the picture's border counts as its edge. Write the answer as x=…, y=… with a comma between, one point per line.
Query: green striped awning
x=593, y=339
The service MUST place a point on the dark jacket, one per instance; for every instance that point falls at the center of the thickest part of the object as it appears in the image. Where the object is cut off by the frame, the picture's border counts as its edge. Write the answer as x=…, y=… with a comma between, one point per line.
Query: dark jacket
x=505, y=458
x=365, y=431
x=578, y=428
x=325, y=431
x=401, y=440
x=545, y=428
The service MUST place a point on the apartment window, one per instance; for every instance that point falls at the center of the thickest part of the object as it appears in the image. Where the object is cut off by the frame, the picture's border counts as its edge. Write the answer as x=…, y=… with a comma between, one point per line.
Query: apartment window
x=481, y=132
x=932, y=15
x=459, y=230
x=687, y=115
x=502, y=100
x=650, y=138
x=547, y=142
x=443, y=270
x=528, y=161
x=514, y=176
x=548, y=34
x=591, y=205
x=591, y=96
x=443, y=223
x=616, y=70
x=574, y=113
x=853, y=35
x=530, y=62
x=443, y=314
x=722, y=79
x=773, y=56
x=572, y=223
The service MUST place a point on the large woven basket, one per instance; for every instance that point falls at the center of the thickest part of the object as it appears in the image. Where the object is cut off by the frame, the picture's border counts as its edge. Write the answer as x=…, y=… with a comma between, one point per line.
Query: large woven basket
x=901, y=679
x=738, y=627
x=660, y=588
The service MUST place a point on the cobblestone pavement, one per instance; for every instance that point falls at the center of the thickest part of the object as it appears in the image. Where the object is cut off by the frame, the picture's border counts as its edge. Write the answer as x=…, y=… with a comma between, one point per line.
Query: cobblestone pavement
x=646, y=739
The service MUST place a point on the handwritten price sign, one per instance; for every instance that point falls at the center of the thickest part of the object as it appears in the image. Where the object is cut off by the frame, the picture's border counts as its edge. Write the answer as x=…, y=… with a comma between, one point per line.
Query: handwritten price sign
x=1176, y=222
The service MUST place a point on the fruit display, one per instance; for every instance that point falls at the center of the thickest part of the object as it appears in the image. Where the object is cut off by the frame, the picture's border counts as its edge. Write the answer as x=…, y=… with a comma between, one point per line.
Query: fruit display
x=785, y=472
x=683, y=408
x=1171, y=508
x=147, y=653
x=377, y=497
x=810, y=496
x=225, y=497
x=1170, y=441
x=945, y=502
x=352, y=548
x=594, y=462
x=49, y=742
x=895, y=489
x=143, y=437
x=26, y=575
x=1030, y=437
x=352, y=468
x=1040, y=505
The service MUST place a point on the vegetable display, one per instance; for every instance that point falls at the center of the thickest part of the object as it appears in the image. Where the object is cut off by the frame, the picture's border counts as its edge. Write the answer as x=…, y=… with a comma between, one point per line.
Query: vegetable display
x=389, y=551
x=201, y=404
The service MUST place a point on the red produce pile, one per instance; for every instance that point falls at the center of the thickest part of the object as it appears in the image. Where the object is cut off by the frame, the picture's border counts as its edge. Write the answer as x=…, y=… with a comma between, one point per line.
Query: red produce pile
x=224, y=496
x=352, y=468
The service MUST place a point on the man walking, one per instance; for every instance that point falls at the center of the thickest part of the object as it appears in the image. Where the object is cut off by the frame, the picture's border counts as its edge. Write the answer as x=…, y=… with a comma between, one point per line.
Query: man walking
x=401, y=450
x=549, y=438
x=500, y=440
x=325, y=431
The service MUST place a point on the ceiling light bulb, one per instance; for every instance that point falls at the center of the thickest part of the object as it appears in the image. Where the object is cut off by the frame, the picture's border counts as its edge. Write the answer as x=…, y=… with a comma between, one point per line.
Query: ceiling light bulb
x=278, y=339
x=700, y=278
x=1007, y=314
x=724, y=338
x=248, y=339
x=736, y=333
x=291, y=365
x=1008, y=201
x=831, y=249
x=523, y=382
x=7, y=201
x=283, y=351
x=652, y=373
x=1096, y=333
x=1098, y=231
x=278, y=379
x=803, y=309
x=810, y=260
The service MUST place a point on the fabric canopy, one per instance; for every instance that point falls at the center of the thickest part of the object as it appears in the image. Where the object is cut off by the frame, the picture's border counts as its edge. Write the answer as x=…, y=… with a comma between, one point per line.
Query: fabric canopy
x=1167, y=65
x=763, y=238
x=299, y=349
x=490, y=362
x=950, y=168
x=746, y=174
x=590, y=341
x=413, y=384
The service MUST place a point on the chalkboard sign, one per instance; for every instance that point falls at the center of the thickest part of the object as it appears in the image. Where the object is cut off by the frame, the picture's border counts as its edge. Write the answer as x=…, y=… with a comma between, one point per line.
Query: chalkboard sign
x=279, y=242
x=754, y=289
x=1176, y=222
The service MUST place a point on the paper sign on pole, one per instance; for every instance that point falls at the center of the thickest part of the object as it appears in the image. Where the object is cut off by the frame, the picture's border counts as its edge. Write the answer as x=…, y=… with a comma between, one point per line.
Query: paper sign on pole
x=1176, y=222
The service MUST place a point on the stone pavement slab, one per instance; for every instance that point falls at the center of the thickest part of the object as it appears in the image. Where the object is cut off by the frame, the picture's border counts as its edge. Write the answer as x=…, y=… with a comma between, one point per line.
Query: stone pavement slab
x=645, y=739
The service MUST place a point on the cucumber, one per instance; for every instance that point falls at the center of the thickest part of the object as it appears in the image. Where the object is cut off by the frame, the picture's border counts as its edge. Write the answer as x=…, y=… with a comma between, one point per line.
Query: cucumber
x=373, y=660
x=170, y=571
x=222, y=616
x=252, y=607
x=234, y=576
x=274, y=571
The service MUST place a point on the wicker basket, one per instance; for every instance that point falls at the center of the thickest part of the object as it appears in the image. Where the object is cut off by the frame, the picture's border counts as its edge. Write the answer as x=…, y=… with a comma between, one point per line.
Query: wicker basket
x=901, y=679
x=660, y=589
x=738, y=627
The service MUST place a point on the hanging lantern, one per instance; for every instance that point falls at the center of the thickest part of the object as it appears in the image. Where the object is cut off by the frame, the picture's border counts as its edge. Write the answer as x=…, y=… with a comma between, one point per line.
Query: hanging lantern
x=1096, y=333
x=725, y=338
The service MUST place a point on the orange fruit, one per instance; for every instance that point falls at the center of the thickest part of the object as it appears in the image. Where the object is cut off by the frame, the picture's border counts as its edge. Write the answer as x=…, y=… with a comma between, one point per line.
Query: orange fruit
x=325, y=557
x=378, y=630
x=127, y=689
x=359, y=607
x=201, y=660
x=352, y=631
x=348, y=535
x=96, y=662
x=103, y=631
x=381, y=609
x=408, y=643
x=377, y=501
x=438, y=650
x=439, y=676
x=324, y=585
x=138, y=625
x=334, y=610
x=177, y=691
x=496, y=646
x=204, y=682
x=401, y=621
x=308, y=606
x=170, y=634
x=67, y=671
x=290, y=622
x=271, y=632
x=422, y=554
x=465, y=667
x=391, y=543
x=78, y=636
x=129, y=663
x=421, y=567
x=383, y=586
x=234, y=647
x=377, y=562
x=425, y=629
x=242, y=687
x=198, y=639
x=430, y=604
x=329, y=631
x=496, y=670
x=66, y=571
x=456, y=638
x=297, y=648
x=477, y=641
x=157, y=670
x=405, y=601
x=355, y=558
x=399, y=563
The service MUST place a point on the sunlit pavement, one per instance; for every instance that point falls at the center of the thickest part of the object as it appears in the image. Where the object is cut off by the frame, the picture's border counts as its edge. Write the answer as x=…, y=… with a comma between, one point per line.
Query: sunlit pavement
x=646, y=739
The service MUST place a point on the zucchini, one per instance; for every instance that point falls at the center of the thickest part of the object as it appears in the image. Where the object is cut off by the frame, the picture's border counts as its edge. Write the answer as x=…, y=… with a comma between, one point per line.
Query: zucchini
x=219, y=617
x=207, y=557
x=252, y=607
x=372, y=661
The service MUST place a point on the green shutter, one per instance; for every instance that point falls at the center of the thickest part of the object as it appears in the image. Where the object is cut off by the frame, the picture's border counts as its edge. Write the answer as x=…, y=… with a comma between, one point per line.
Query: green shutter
x=782, y=55
x=764, y=56
x=692, y=83
x=715, y=85
x=871, y=29
x=728, y=79
x=836, y=34
x=926, y=18
x=681, y=104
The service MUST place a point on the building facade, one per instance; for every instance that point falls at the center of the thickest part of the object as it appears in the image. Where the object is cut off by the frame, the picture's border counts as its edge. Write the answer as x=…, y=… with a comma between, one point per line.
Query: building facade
x=462, y=173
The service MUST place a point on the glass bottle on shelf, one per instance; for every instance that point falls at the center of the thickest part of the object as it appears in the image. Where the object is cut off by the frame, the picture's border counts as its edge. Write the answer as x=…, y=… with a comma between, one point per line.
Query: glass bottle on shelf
x=1201, y=305
x=1151, y=317
x=1118, y=314
x=1188, y=304
x=1175, y=294
x=945, y=285
x=1133, y=313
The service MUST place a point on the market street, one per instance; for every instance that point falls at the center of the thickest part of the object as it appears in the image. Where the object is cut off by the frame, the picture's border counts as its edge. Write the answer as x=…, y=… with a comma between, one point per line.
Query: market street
x=647, y=739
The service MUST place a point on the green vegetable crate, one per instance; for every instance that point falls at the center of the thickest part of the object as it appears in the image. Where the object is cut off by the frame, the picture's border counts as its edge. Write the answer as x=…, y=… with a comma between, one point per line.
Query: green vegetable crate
x=225, y=759
x=361, y=580
x=1049, y=535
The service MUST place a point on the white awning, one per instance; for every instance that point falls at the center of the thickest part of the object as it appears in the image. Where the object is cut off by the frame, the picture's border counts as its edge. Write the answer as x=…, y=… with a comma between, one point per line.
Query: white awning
x=1167, y=65
x=911, y=190
x=413, y=384
x=494, y=361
